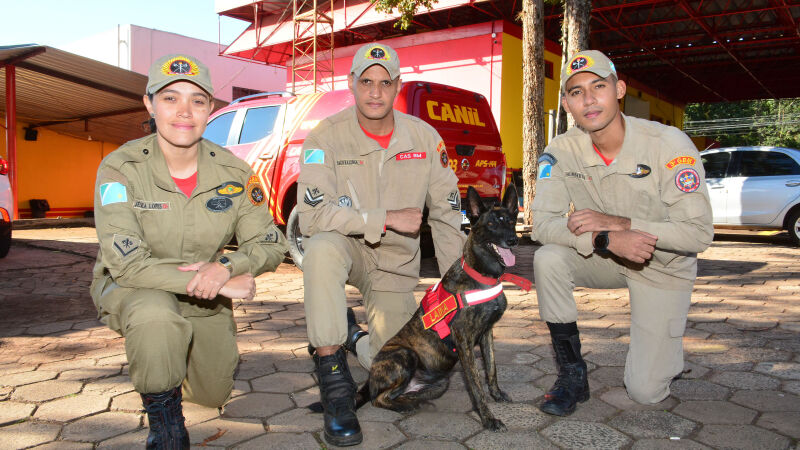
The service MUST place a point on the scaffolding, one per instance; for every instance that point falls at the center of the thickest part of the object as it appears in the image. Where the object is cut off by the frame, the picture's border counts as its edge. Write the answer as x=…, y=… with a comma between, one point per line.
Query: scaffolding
x=312, y=45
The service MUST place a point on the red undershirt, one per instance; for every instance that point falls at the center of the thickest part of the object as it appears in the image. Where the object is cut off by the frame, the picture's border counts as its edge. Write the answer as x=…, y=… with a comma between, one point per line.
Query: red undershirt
x=383, y=141
x=605, y=160
x=186, y=185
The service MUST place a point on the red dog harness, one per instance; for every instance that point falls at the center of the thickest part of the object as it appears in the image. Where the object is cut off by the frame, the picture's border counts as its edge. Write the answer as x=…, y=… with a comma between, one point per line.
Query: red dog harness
x=440, y=306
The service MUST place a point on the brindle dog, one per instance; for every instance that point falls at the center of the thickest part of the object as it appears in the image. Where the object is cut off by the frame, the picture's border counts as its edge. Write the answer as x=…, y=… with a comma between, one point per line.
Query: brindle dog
x=414, y=365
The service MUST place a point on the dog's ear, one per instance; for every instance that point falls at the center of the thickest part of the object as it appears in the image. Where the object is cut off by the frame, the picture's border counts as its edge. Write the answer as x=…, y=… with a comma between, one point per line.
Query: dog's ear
x=474, y=205
x=511, y=200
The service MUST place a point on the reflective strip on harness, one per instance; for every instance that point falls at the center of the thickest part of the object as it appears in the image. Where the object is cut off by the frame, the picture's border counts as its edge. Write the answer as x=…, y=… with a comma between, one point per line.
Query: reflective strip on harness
x=483, y=295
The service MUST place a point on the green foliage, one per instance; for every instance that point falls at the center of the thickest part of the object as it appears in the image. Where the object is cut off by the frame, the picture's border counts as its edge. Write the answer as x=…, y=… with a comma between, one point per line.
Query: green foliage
x=406, y=8
x=754, y=122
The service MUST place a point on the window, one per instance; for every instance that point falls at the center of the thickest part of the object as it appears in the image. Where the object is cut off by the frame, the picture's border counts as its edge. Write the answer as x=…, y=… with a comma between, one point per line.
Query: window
x=716, y=164
x=548, y=69
x=239, y=92
x=258, y=123
x=217, y=130
x=765, y=164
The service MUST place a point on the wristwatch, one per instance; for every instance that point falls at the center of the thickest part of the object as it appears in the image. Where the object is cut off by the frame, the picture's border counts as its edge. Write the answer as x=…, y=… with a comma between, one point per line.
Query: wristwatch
x=226, y=262
x=601, y=242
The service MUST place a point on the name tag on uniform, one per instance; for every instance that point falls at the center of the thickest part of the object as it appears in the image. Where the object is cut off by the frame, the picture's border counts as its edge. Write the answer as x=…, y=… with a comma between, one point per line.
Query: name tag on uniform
x=410, y=155
x=151, y=206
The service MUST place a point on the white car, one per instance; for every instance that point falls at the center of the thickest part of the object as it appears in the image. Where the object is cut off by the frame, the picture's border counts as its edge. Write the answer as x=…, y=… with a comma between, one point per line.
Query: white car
x=6, y=209
x=755, y=188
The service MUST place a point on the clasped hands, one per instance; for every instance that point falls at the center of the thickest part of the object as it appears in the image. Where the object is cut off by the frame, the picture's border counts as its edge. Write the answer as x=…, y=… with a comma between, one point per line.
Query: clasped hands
x=212, y=279
x=634, y=245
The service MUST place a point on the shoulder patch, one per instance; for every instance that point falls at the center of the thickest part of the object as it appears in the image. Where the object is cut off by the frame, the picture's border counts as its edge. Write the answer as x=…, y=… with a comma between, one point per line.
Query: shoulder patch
x=687, y=180
x=454, y=199
x=545, y=170
x=313, y=197
x=314, y=156
x=688, y=160
x=443, y=157
x=548, y=158
x=113, y=193
x=271, y=236
x=125, y=245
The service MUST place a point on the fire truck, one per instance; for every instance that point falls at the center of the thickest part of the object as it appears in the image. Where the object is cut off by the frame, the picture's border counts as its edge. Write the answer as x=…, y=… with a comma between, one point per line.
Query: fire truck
x=267, y=130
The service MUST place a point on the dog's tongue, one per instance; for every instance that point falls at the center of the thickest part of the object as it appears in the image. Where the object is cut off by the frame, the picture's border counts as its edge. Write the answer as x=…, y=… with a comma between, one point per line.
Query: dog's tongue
x=508, y=257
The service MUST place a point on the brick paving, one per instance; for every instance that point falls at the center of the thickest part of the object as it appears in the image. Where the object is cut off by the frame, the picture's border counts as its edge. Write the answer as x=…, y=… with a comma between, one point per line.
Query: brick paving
x=64, y=378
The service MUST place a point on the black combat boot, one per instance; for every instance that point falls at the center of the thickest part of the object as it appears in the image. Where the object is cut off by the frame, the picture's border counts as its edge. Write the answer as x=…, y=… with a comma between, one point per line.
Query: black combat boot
x=572, y=384
x=165, y=414
x=337, y=392
x=354, y=333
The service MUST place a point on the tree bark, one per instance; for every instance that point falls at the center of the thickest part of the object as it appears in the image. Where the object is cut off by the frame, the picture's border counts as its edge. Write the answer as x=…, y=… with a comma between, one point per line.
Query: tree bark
x=533, y=132
x=574, y=37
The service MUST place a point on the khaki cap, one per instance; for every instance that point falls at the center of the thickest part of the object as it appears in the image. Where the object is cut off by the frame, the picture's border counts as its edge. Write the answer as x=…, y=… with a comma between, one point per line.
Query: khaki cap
x=375, y=53
x=587, y=61
x=171, y=68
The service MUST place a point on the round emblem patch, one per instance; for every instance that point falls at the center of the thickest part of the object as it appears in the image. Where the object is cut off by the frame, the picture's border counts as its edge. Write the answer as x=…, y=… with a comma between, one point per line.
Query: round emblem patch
x=255, y=193
x=687, y=180
x=219, y=204
x=443, y=158
x=378, y=53
x=180, y=66
x=579, y=62
x=345, y=201
x=464, y=164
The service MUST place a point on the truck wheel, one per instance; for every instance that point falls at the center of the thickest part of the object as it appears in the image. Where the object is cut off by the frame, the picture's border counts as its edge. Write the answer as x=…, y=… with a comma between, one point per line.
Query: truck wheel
x=295, y=238
x=5, y=239
x=793, y=227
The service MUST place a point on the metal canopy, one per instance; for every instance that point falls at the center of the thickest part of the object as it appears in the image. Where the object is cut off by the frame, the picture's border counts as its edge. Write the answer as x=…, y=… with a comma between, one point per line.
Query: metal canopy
x=686, y=50
x=702, y=51
x=75, y=95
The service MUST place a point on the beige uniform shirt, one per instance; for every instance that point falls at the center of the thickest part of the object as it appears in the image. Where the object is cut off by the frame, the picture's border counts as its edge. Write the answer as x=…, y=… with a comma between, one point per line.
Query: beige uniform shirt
x=348, y=182
x=147, y=227
x=657, y=181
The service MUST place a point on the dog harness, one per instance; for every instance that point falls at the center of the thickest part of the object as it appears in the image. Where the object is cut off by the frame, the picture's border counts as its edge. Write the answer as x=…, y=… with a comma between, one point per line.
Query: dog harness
x=440, y=306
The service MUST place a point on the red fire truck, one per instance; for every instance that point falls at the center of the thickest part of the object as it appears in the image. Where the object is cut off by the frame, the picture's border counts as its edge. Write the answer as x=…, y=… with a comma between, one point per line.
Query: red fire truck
x=267, y=130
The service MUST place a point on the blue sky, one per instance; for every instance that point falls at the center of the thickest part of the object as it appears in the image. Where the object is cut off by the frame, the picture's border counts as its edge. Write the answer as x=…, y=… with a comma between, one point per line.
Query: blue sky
x=58, y=22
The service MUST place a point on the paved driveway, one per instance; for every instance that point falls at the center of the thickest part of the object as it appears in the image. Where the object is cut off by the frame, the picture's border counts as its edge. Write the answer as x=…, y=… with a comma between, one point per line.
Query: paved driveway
x=64, y=378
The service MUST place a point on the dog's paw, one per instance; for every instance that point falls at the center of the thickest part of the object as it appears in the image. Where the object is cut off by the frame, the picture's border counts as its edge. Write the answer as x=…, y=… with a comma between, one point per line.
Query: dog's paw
x=495, y=425
x=500, y=396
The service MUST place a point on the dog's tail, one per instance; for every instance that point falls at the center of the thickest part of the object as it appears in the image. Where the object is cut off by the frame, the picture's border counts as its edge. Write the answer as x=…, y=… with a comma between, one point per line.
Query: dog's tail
x=362, y=397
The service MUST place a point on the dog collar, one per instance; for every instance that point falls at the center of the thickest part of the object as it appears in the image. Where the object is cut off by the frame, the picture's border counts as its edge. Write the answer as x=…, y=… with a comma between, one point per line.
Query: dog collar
x=522, y=283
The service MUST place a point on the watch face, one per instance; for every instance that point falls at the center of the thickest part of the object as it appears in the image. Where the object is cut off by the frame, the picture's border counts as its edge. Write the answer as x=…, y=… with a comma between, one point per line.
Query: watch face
x=601, y=241
x=224, y=260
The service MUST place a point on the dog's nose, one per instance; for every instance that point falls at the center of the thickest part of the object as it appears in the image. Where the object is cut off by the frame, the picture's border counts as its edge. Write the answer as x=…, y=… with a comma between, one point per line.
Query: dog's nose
x=512, y=242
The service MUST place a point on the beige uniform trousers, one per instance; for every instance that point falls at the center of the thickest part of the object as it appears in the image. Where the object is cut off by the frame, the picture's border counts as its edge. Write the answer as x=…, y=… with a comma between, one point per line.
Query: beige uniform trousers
x=658, y=316
x=332, y=260
x=166, y=348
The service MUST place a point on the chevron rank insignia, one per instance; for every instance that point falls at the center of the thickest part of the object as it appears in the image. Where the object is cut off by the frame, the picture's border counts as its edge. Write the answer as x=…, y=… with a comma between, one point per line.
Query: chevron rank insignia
x=313, y=197
x=455, y=201
x=125, y=245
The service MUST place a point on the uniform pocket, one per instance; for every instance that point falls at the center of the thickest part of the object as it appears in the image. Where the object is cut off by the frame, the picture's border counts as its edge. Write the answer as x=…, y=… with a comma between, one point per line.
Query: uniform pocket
x=677, y=327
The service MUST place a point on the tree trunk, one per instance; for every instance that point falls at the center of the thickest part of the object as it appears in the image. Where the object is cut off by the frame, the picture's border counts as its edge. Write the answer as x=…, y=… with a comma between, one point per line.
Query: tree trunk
x=574, y=37
x=533, y=133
